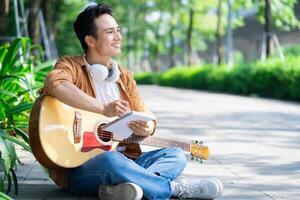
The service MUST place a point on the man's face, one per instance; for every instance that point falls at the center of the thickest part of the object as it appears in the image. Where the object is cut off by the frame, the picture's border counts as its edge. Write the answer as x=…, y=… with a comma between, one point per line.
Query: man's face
x=108, y=41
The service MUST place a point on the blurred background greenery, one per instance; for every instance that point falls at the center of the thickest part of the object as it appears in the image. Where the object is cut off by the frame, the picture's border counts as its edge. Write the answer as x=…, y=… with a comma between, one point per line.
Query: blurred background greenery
x=161, y=34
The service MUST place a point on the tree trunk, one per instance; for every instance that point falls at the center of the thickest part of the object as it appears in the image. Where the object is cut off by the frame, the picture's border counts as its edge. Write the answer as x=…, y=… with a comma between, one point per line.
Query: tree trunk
x=189, y=38
x=229, y=52
x=4, y=9
x=155, y=51
x=219, y=34
x=34, y=26
x=129, y=37
x=156, y=59
x=267, y=27
x=56, y=15
x=47, y=8
x=172, y=47
x=171, y=33
x=135, y=52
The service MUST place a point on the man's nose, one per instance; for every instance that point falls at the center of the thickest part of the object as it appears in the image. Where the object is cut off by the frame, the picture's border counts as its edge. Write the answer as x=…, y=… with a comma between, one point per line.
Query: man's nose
x=118, y=36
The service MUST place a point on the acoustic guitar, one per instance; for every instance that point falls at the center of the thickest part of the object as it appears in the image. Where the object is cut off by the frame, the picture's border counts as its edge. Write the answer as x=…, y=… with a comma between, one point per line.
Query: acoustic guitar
x=62, y=136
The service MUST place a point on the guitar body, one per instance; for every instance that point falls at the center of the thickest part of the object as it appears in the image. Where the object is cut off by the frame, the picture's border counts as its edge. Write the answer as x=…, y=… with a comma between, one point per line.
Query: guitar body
x=52, y=137
x=62, y=136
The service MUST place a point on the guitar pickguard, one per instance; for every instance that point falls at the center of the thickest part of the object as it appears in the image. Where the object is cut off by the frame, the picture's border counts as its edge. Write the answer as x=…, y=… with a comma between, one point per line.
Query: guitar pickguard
x=90, y=143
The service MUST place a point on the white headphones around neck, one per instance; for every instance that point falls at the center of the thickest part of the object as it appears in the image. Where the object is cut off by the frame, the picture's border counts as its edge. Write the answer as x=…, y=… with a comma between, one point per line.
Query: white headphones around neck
x=99, y=72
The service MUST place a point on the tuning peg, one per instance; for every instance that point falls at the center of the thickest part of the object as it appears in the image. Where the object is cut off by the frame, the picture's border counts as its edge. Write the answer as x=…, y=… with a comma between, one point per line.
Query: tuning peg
x=201, y=142
x=192, y=157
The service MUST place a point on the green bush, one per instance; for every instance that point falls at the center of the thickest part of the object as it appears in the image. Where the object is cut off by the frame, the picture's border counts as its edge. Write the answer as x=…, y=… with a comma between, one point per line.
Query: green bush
x=174, y=77
x=146, y=78
x=238, y=80
x=271, y=78
x=292, y=50
x=21, y=76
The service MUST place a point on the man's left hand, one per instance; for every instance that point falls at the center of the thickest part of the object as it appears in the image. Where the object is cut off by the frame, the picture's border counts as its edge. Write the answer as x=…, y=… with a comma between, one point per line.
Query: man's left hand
x=142, y=128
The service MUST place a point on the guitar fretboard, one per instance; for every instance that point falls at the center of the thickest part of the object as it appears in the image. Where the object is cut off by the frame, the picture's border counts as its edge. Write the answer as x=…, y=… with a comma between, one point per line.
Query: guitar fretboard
x=154, y=141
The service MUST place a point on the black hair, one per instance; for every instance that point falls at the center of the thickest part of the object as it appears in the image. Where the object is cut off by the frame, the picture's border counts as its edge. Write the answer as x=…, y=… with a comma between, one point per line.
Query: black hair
x=85, y=22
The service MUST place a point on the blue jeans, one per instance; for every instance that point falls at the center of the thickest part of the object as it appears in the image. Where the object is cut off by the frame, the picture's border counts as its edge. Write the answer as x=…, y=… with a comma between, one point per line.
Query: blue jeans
x=152, y=171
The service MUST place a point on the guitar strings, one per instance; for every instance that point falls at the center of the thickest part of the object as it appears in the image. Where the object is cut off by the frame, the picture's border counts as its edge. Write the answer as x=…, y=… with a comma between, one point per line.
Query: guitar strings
x=108, y=135
x=131, y=138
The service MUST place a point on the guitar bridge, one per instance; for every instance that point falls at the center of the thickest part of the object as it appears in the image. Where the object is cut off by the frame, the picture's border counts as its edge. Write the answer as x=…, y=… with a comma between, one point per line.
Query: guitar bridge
x=77, y=127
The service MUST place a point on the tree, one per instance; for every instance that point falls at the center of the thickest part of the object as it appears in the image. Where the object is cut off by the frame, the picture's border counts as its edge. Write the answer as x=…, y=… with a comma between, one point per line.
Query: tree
x=219, y=33
x=284, y=19
x=33, y=24
x=267, y=27
x=189, y=36
x=171, y=34
x=4, y=9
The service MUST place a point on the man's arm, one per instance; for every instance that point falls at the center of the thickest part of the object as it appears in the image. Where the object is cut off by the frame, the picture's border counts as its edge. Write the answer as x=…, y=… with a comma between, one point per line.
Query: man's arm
x=69, y=94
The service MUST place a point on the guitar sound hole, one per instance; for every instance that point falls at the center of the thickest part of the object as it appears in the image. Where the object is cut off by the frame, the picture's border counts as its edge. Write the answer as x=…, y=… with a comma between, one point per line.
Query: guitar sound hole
x=105, y=136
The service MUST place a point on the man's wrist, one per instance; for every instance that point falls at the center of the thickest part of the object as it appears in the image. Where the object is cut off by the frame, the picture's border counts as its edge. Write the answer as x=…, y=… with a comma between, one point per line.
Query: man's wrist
x=100, y=108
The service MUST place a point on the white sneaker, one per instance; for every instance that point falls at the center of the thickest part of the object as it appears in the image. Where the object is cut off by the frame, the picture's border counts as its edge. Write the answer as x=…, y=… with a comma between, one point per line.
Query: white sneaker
x=122, y=191
x=206, y=188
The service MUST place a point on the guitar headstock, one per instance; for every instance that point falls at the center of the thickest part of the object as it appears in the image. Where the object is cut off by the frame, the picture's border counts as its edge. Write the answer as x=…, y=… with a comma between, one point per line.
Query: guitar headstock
x=199, y=151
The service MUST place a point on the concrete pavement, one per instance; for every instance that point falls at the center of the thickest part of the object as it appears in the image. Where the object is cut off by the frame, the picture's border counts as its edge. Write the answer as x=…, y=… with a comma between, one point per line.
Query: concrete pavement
x=254, y=144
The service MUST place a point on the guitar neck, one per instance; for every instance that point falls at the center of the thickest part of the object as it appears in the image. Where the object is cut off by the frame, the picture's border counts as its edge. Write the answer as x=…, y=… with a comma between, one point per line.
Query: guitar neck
x=157, y=142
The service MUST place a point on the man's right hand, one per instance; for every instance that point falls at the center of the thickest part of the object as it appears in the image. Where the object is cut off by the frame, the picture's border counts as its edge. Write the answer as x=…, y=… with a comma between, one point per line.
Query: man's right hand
x=116, y=108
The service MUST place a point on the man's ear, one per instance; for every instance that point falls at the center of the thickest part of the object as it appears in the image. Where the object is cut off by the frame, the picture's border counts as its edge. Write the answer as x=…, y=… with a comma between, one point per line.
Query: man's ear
x=90, y=41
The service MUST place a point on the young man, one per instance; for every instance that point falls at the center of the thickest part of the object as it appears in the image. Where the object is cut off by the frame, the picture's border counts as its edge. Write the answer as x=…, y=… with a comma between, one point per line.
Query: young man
x=95, y=82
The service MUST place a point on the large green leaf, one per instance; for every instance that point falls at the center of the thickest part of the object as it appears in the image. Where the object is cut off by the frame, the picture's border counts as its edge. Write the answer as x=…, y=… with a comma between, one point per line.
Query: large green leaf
x=8, y=183
x=2, y=114
x=7, y=111
x=22, y=134
x=3, y=51
x=21, y=108
x=38, y=51
x=4, y=196
x=12, y=153
x=11, y=56
x=15, y=180
x=23, y=82
x=1, y=185
x=45, y=66
x=15, y=140
x=8, y=93
x=16, y=52
x=2, y=167
x=15, y=76
x=5, y=154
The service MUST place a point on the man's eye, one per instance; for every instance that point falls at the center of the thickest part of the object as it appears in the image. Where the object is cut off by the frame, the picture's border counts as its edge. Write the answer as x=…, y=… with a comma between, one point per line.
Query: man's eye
x=109, y=32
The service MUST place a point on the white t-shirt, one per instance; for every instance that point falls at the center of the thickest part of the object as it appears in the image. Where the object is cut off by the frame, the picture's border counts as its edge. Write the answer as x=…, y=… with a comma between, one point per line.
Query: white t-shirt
x=106, y=91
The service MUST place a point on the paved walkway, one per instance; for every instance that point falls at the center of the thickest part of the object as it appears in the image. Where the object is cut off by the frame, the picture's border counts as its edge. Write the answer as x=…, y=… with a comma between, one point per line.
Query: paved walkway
x=254, y=143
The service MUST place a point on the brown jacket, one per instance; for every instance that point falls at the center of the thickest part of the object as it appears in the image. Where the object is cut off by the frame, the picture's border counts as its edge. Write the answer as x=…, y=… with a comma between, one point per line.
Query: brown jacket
x=74, y=70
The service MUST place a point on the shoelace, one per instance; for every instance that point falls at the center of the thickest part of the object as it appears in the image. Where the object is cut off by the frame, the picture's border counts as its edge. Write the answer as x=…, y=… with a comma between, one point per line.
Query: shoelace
x=188, y=190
